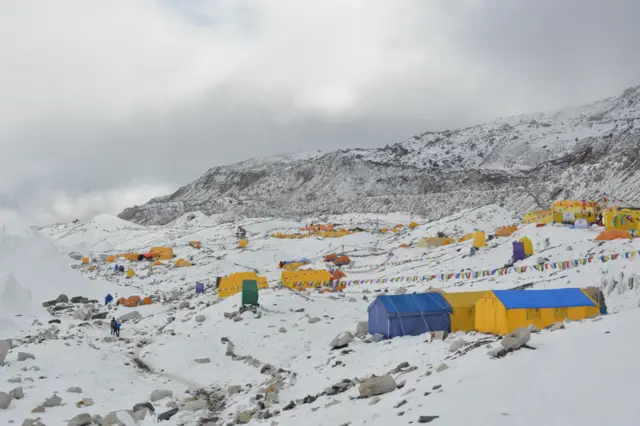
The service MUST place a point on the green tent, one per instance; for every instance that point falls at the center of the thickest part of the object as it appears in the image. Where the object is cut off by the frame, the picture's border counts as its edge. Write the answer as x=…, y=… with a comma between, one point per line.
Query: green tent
x=250, y=292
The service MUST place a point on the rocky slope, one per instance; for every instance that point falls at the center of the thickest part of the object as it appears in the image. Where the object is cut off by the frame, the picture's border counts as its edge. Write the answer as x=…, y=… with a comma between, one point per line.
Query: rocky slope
x=519, y=162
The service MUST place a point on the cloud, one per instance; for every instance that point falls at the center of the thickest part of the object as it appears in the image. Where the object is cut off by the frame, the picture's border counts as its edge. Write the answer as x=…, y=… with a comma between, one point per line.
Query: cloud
x=105, y=99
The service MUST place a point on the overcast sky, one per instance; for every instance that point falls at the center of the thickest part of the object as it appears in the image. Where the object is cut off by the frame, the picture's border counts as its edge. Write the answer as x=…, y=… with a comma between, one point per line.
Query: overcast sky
x=104, y=104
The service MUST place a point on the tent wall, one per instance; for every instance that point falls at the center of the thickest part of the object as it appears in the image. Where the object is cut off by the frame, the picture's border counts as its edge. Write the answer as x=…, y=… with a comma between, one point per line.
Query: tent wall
x=162, y=253
x=479, y=239
x=491, y=315
x=308, y=278
x=233, y=283
x=463, y=303
x=416, y=325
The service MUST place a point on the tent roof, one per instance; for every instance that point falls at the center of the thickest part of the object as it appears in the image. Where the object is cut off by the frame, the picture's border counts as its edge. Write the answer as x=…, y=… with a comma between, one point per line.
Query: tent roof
x=413, y=303
x=557, y=298
x=463, y=299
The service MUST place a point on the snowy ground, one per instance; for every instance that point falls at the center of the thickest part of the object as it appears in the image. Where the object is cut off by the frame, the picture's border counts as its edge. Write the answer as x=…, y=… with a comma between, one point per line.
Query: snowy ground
x=186, y=343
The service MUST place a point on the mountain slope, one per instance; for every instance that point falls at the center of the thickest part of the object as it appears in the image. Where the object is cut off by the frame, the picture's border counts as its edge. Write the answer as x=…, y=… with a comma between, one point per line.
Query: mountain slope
x=518, y=162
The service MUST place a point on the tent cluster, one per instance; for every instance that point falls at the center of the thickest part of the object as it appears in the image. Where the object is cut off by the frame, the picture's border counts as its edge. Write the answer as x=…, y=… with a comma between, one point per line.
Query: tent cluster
x=292, y=265
x=133, y=301
x=156, y=253
x=337, y=260
x=494, y=311
x=522, y=249
x=570, y=212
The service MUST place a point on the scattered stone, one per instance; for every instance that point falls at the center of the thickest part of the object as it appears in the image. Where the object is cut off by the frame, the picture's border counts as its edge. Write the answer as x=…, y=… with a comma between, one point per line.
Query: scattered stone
x=341, y=340
x=17, y=393
x=198, y=404
x=441, y=368
x=516, y=339
x=159, y=394
x=55, y=321
x=74, y=389
x=146, y=405
x=202, y=360
x=332, y=403
x=234, y=389
x=5, y=346
x=557, y=326
x=38, y=409
x=362, y=329
x=79, y=299
x=5, y=400
x=15, y=380
x=23, y=356
x=183, y=305
x=171, y=404
x=53, y=401
x=239, y=318
x=374, y=400
x=119, y=418
x=400, y=403
x=200, y=318
x=62, y=299
x=245, y=417
x=168, y=414
x=377, y=386
x=97, y=419
x=457, y=344
x=98, y=316
x=83, y=419
x=129, y=316
x=314, y=320
x=427, y=419
x=139, y=415
x=408, y=391
x=401, y=384
x=282, y=330
x=289, y=406
x=86, y=402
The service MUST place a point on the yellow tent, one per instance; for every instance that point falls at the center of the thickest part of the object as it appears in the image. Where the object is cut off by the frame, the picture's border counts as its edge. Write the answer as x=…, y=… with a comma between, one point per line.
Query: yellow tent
x=465, y=237
x=463, y=303
x=479, y=239
x=130, y=273
x=308, y=278
x=539, y=216
x=502, y=311
x=413, y=225
x=131, y=256
x=180, y=263
x=243, y=243
x=435, y=242
x=162, y=253
x=528, y=245
x=157, y=263
x=232, y=284
x=293, y=266
x=626, y=219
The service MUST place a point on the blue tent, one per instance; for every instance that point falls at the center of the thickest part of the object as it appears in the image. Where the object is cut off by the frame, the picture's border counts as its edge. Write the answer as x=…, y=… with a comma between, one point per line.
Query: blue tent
x=199, y=288
x=518, y=251
x=409, y=314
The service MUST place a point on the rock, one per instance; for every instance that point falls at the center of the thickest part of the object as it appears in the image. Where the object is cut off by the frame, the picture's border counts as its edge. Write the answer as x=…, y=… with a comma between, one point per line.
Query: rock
x=239, y=318
x=245, y=417
x=183, y=305
x=233, y=389
x=83, y=419
x=427, y=419
x=81, y=314
x=401, y=290
x=79, y=299
x=97, y=419
x=23, y=356
x=5, y=400
x=15, y=380
x=159, y=394
x=314, y=320
x=17, y=393
x=119, y=418
x=139, y=415
x=5, y=347
x=516, y=339
x=374, y=400
x=129, y=316
x=377, y=386
x=441, y=368
x=495, y=352
x=62, y=299
x=557, y=326
x=74, y=389
x=200, y=318
x=100, y=315
x=400, y=403
x=38, y=409
x=171, y=404
x=342, y=339
x=362, y=329
x=202, y=360
x=146, y=405
x=55, y=321
x=457, y=344
x=198, y=404
x=86, y=402
x=53, y=401
x=282, y=330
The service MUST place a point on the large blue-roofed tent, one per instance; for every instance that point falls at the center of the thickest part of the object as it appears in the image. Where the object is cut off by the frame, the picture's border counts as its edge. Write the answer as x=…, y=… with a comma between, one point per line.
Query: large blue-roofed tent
x=502, y=311
x=409, y=314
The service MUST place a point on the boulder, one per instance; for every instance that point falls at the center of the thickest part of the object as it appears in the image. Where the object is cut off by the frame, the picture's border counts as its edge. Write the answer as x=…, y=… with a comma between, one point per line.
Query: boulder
x=38, y=409
x=81, y=314
x=457, y=344
x=5, y=346
x=427, y=419
x=55, y=321
x=23, y=356
x=233, y=389
x=362, y=329
x=74, y=389
x=200, y=318
x=5, y=400
x=139, y=406
x=516, y=339
x=17, y=393
x=202, y=360
x=198, y=404
x=53, y=401
x=167, y=414
x=314, y=320
x=79, y=299
x=342, y=339
x=118, y=418
x=377, y=386
x=245, y=417
x=139, y=415
x=62, y=299
x=129, y=316
x=83, y=419
x=100, y=315
x=441, y=368
x=159, y=394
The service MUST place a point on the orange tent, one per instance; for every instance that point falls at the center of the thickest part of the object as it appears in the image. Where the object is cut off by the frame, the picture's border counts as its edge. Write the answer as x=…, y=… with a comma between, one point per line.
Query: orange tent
x=331, y=257
x=404, y=245
x=613, y=234
x=337, y=274
x=506, y=231
x=147, y=301
x=342, y=260
x=85, y=260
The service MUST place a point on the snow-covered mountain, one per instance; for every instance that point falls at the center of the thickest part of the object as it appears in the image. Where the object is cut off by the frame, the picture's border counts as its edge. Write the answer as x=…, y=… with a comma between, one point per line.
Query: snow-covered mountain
x=517, y=162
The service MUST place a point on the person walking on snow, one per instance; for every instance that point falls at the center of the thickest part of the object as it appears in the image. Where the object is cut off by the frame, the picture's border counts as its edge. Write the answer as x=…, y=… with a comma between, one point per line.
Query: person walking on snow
x=113, y=326
x=117, y=329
